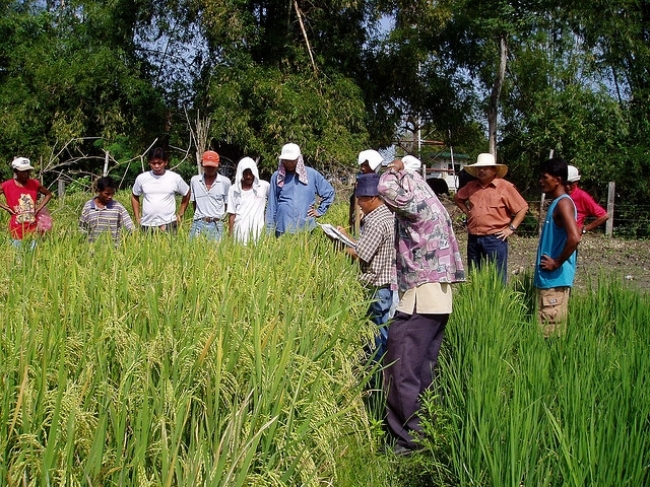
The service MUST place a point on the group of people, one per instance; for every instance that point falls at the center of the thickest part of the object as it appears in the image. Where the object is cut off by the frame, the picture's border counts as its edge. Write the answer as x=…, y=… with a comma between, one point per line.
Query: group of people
x=285, y=205
x=249, y=205
x=406, y=244
x=495, y=209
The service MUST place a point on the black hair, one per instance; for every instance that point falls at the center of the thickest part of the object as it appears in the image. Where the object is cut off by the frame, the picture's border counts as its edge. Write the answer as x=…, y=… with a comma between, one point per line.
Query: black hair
x=158, y=153
x=556, y=167
x=104, y=183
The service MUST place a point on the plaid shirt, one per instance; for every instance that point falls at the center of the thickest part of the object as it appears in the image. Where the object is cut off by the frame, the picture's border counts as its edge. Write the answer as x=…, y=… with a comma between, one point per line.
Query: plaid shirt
x=376, y=248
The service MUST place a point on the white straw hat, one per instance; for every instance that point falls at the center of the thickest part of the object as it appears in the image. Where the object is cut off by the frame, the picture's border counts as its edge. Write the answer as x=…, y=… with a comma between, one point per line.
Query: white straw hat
x=486, y=160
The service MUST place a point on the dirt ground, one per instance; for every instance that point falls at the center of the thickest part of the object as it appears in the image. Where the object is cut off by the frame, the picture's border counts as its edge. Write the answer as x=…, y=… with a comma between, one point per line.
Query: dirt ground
x=627, y=260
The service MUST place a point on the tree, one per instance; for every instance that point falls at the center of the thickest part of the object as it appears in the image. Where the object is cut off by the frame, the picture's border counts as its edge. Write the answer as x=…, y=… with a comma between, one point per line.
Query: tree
x=285, y=71
x=71, y=71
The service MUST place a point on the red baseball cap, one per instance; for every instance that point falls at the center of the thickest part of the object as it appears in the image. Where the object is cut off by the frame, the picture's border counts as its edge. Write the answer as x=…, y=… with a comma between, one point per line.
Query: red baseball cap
x=210, y=158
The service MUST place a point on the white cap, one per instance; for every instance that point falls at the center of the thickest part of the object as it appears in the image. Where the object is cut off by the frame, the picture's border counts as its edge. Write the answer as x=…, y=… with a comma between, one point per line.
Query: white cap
x=372, y=157
x=290, y=152
x=21, y=164
x=411, y=163
x=573, y=174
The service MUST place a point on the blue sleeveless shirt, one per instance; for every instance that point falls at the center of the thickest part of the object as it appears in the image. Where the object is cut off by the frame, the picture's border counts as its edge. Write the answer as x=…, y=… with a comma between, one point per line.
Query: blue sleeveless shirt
x=551, y=243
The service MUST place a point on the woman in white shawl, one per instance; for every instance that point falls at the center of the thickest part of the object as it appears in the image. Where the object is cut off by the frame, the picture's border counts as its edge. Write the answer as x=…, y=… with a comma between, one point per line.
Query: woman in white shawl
x=247, y=202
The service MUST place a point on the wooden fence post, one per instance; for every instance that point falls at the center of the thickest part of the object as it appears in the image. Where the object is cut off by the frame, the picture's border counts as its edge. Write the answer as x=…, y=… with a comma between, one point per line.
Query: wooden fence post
x=611, y=193
x=540, y=219
x=60, y=189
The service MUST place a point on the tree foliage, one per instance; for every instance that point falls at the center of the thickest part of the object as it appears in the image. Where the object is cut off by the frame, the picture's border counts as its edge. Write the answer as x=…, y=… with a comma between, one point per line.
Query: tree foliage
x=336, y=77
x=71, y=71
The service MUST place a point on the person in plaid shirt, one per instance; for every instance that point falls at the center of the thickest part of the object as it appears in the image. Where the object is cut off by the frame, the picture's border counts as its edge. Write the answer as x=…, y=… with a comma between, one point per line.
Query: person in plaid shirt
x=375, y=251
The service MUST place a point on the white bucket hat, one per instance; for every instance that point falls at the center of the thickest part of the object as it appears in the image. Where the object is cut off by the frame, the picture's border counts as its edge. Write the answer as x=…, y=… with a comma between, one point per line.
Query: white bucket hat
x=290, y=152
x=486, y=160
x=573, y=174
x=372, y=157
x=411, y=163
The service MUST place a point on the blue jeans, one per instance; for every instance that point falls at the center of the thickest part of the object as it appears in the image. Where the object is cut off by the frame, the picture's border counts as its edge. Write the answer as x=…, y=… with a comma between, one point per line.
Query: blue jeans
x=24, y=244
x=482, y=249
x=378, y=313
x=210, y=230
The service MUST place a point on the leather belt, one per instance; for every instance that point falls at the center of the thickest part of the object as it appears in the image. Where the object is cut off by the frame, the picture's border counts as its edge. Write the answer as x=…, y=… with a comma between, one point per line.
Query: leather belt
x=210, y=219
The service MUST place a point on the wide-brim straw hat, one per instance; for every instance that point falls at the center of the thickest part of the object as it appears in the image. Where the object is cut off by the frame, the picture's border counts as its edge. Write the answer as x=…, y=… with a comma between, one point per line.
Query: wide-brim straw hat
x=486, y=160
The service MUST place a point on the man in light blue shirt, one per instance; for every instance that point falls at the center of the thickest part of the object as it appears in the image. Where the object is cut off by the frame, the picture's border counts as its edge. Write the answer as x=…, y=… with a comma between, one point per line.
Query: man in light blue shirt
x=292, y=196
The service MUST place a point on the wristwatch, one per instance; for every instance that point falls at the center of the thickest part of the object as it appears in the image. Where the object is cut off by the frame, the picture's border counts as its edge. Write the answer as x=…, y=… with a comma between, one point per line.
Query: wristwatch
x=512, y=227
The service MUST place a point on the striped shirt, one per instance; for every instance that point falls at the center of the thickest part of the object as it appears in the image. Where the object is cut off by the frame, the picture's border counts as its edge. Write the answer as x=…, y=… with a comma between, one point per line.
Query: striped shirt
x=376, y=248
x=95, y=220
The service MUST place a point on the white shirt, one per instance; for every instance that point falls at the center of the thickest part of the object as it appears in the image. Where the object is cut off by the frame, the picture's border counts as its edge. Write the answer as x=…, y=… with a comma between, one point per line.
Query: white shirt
x=159, y=205
x=248, y=206
x=209, y=203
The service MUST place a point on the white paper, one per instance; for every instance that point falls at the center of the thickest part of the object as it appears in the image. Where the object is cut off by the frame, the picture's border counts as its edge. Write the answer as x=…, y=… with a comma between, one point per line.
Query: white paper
x=332, y=232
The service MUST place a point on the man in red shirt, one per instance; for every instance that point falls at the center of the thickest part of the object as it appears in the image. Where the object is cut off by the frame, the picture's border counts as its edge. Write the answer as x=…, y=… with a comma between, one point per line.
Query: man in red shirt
x=585, y=204
x=22, y=199
x=494, y=209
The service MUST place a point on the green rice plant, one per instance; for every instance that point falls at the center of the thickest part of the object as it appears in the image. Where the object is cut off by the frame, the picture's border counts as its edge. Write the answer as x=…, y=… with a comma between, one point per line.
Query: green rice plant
x=168, y=362
x=525, y=410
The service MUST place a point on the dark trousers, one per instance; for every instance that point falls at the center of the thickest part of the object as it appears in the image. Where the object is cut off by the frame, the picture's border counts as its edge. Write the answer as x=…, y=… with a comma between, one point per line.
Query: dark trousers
x=482, y=249
x=412, y=354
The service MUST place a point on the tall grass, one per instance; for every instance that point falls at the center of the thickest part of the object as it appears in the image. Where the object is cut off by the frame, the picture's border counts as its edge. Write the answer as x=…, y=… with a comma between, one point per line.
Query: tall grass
x=169, y=362
x=528, y=411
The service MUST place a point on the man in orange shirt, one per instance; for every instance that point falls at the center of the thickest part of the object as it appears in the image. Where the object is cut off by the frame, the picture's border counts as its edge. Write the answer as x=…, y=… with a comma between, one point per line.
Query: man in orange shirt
x=494, y=209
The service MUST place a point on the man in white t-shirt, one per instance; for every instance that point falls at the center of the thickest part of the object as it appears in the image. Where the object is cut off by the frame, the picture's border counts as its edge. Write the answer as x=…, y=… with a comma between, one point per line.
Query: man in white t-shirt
x=159, y=188
x=209, y=194
x=247, y=202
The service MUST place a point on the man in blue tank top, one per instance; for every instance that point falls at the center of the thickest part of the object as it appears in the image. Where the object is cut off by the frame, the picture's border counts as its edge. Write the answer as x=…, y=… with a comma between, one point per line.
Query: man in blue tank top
x=555, y=265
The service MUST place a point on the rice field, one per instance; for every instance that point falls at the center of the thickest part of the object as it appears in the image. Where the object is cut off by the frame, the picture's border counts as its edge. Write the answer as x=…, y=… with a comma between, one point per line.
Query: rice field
x=164, y=362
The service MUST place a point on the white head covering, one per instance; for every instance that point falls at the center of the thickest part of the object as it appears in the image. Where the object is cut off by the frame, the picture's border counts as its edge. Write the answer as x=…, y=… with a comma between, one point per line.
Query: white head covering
x=486, y=160
x=246, y=163
x=373, y=158
x=573, y=174
x=21, y=164
x=411, y=163
x=291, y=152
